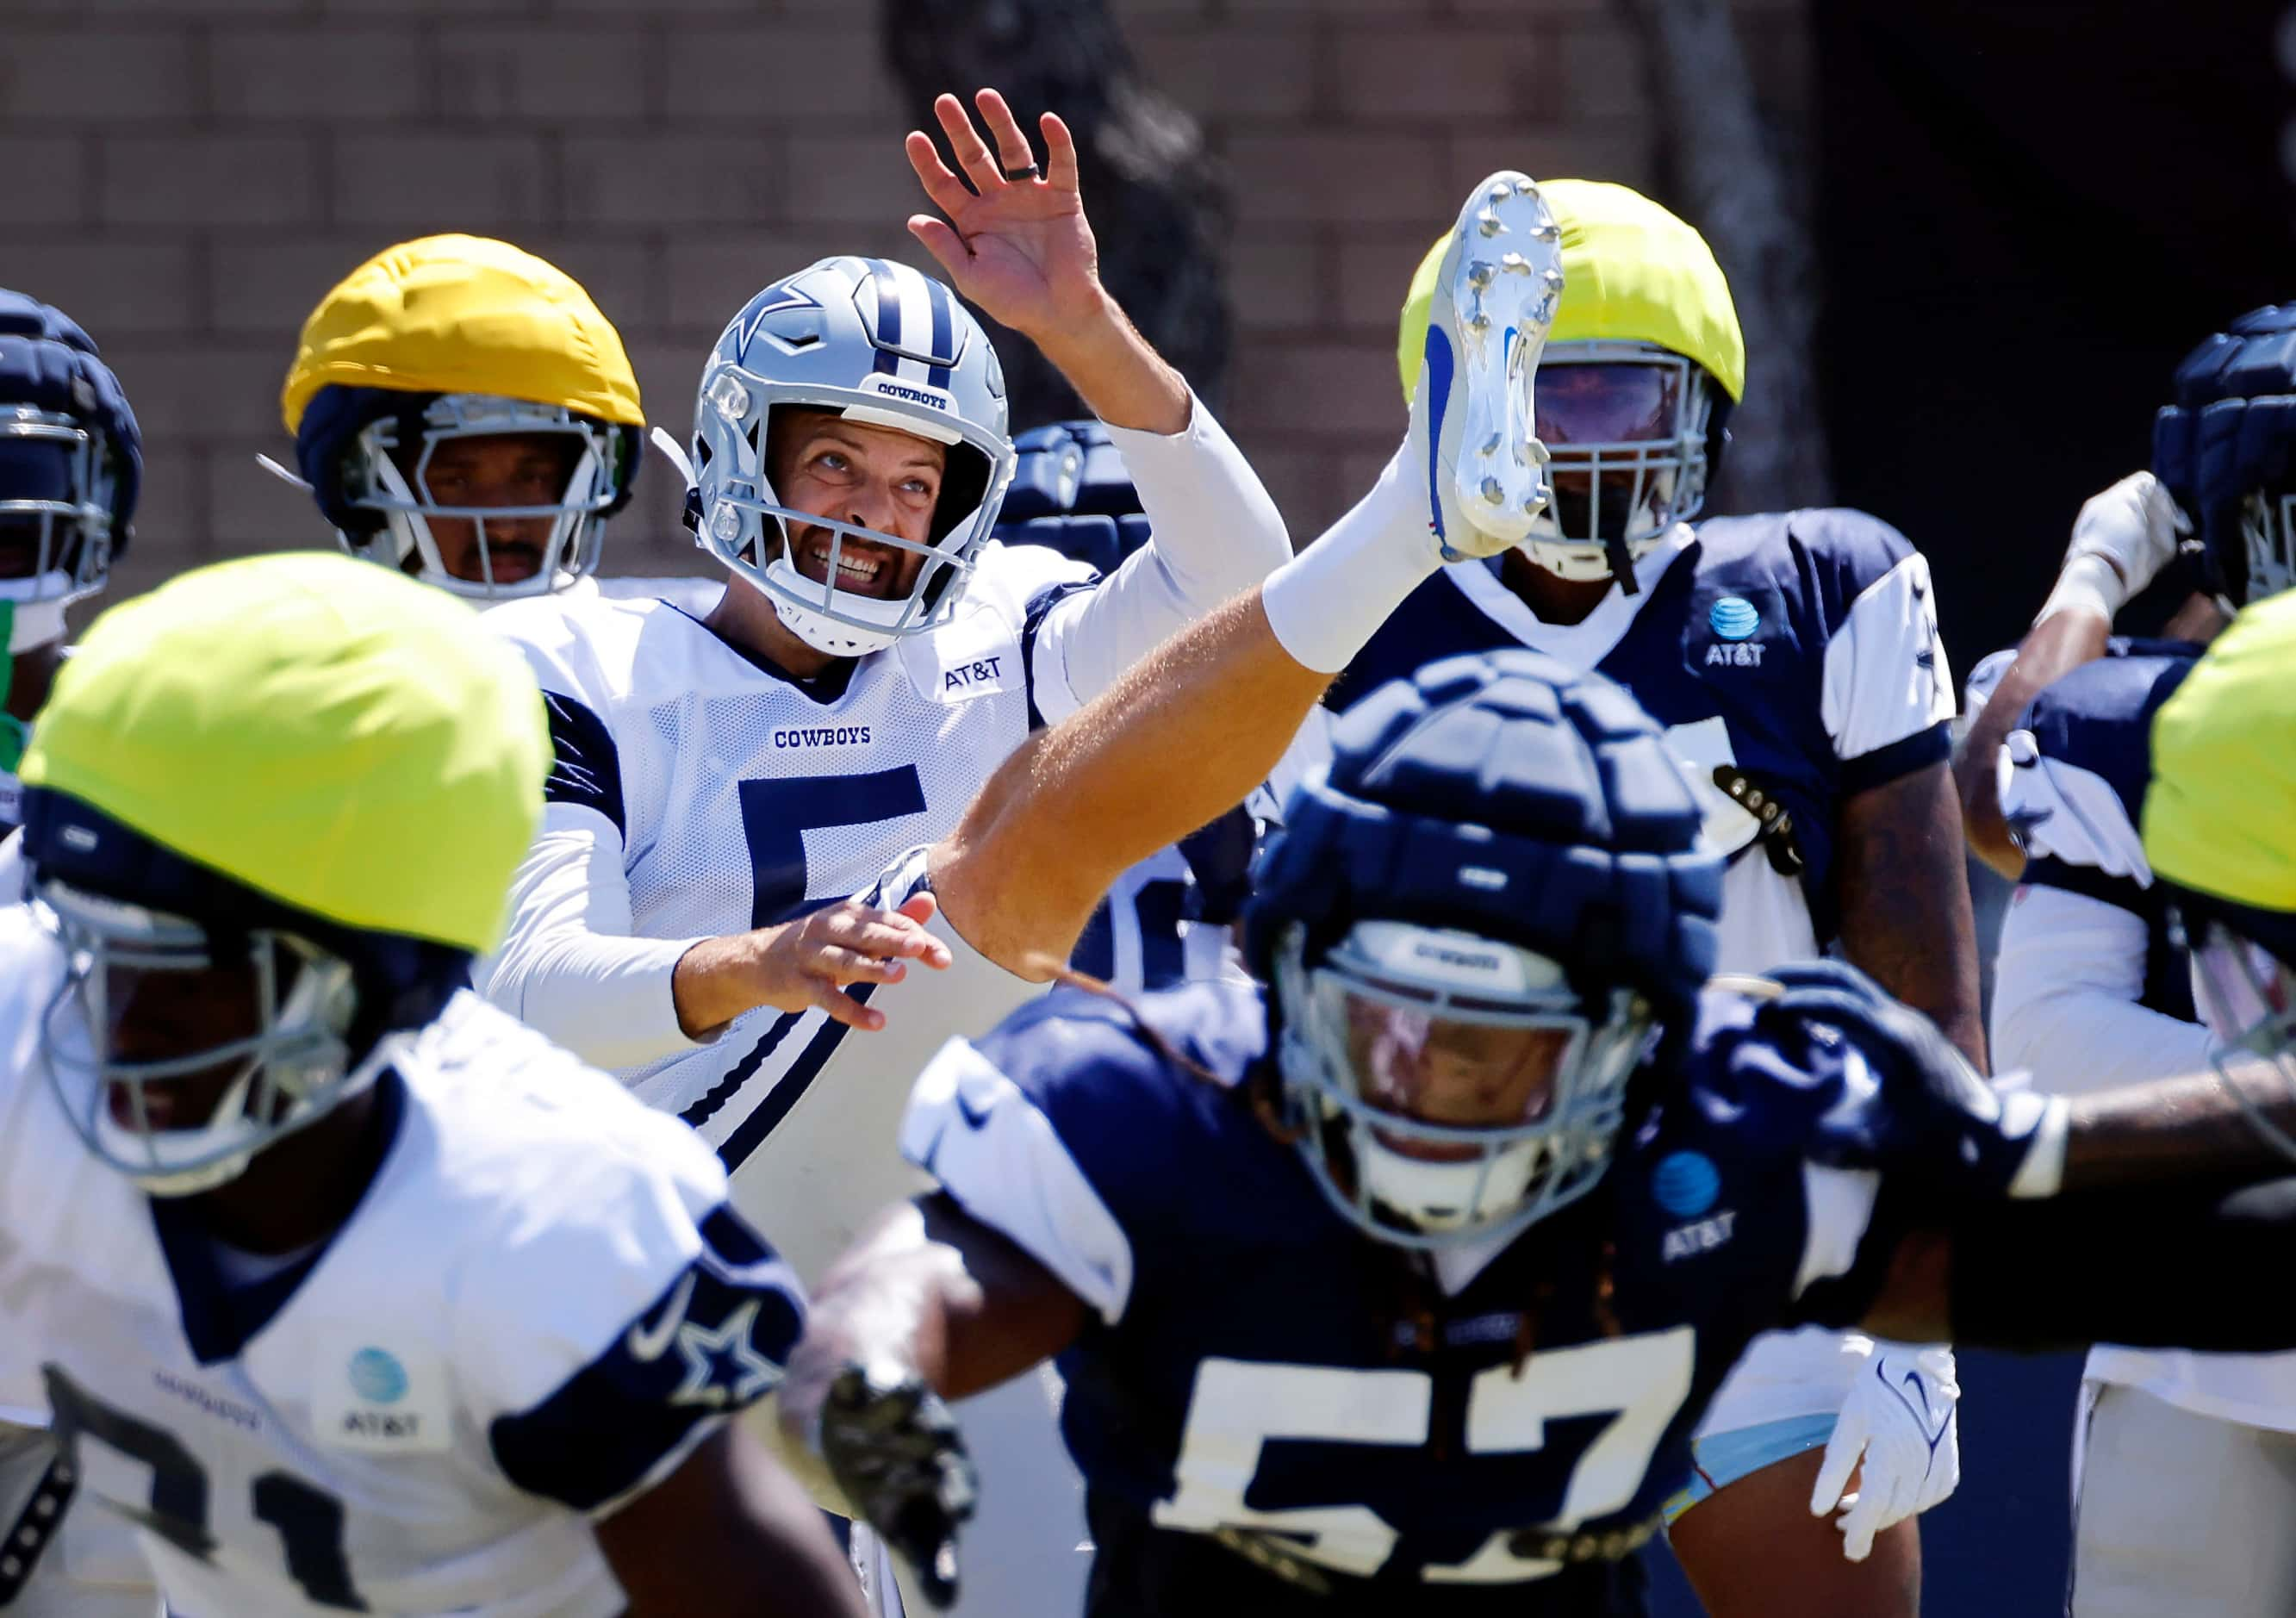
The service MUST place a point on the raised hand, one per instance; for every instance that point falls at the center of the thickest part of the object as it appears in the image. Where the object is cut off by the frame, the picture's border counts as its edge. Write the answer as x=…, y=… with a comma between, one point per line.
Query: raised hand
x=1016, y=243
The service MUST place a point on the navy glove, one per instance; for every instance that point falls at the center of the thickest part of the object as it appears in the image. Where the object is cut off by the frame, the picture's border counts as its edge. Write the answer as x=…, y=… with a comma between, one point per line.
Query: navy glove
x=1933, y=1116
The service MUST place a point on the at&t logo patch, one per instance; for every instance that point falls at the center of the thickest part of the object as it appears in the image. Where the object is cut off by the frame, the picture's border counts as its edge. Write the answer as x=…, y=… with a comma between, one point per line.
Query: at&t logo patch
x=1686, y=1184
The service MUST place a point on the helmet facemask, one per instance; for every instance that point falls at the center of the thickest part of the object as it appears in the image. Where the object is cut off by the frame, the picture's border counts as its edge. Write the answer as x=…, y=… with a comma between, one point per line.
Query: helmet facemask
x=2268, y=532
x=377, y=479
x=56, y=548
x=1399, y=1021
x=1626, y=427
x=2246, y=994
x=748, y=526
x=282, y=1060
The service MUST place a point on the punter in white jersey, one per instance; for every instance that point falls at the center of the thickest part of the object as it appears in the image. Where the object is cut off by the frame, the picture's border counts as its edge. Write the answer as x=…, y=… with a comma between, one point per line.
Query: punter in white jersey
x=346, y=1290
x=722, y=783
x=725, y=783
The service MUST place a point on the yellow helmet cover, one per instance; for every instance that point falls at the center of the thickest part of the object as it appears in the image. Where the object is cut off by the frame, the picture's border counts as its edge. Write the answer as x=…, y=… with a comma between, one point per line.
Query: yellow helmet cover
x=1632, y=271
x=458, y=314
x=2220, y=815
x=343, y=740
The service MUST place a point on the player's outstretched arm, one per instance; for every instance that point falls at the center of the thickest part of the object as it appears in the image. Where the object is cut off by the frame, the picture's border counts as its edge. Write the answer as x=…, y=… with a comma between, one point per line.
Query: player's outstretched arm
x=2195, y=1269
x=1186, y=734
x=810, y=962
x=929, y=1305
x=1017, y=243
x=2143, y=1215
x=2124, y=536
x=728, y=1532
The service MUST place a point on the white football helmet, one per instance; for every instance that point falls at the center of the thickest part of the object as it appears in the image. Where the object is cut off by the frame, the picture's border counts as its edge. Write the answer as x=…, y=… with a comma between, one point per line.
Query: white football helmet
x=877, y=342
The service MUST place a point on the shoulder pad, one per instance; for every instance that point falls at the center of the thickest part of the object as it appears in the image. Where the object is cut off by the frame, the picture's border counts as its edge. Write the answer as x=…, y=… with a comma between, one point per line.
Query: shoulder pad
x=2074, y=788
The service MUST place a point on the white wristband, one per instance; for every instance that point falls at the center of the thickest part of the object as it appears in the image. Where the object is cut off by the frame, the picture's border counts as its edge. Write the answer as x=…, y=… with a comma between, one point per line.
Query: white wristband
x=1328, y=601
x=2088, y=584
x=2043, y=1170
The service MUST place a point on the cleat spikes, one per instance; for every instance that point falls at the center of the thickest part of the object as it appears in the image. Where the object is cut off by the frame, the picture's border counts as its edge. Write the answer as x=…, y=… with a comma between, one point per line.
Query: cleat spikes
x=1488, y=468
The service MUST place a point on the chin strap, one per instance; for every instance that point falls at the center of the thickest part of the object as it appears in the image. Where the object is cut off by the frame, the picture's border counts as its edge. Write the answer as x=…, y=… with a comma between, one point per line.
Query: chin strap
x=1622, y=564
x=15, y=735
x=35, y=1526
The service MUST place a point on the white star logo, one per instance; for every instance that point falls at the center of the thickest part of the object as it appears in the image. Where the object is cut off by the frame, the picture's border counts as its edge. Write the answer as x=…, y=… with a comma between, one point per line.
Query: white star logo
x=706, y=1354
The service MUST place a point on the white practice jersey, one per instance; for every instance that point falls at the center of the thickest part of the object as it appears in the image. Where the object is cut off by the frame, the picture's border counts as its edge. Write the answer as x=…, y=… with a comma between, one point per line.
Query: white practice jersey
x=734, y=796
x=541, y=1305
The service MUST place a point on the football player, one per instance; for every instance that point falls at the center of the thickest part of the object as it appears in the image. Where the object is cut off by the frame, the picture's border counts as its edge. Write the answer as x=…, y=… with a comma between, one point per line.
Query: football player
x=351, y=1292
x=1414, y=1271
x=70, y=464
x=1793, y=660
x=462, y=412
x=725, y=783
x=2185, y=1472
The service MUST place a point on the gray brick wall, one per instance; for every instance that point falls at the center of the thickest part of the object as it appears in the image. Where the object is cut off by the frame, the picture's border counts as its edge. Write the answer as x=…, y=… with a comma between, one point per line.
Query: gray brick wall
x=187, y=177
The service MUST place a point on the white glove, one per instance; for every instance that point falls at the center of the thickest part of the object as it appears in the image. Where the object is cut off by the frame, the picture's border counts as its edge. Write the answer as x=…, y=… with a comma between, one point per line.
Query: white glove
x=1899, y=1418
x=2121, y=541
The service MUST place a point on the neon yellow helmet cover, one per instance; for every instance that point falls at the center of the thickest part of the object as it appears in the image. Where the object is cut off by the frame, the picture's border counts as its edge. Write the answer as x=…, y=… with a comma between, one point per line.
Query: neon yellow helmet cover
x=2219, y=825
x=1640, y=290
x=305, y=779
x=456, y=337
x=2220, y=812
x=351, y=745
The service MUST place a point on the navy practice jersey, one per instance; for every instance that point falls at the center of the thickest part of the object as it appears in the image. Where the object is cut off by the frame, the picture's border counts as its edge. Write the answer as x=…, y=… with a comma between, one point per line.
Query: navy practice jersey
x=1796, y=649
x=1259, y=1382
x=2074, y=793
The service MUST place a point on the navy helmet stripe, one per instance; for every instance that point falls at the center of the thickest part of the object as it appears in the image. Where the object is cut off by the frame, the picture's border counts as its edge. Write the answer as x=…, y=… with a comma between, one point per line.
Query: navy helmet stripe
x=888, y=287
x=944, y=318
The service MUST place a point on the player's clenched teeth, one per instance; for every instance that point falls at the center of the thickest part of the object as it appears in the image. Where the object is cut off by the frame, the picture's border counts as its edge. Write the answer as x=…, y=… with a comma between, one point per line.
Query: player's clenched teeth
x=855, y=569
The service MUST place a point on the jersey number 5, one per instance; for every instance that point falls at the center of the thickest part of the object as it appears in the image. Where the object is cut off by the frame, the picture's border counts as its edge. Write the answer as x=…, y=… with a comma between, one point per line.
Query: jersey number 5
x=309, y=1519
x=1240, y=1406
x=777, y=814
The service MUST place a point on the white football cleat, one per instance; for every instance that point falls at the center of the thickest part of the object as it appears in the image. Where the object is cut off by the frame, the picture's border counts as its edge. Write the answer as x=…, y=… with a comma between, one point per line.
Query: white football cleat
x=1471, y=435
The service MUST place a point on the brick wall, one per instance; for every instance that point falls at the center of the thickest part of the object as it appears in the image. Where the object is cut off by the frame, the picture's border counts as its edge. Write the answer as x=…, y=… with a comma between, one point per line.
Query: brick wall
x=187, y=177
